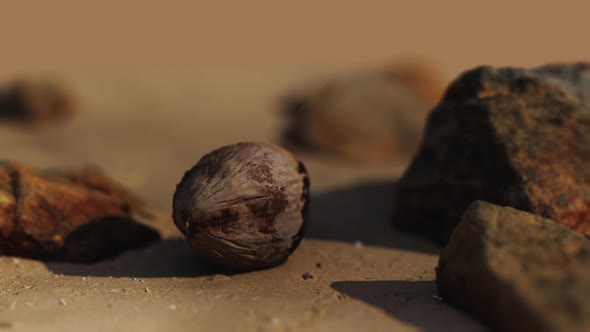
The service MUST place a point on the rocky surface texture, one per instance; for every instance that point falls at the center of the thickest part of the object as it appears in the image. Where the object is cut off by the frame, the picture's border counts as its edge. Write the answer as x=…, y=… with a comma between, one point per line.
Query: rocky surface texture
x=575, y=75
x=79, y=216
x=517, y=271
x=372, y=115
x=514, y=137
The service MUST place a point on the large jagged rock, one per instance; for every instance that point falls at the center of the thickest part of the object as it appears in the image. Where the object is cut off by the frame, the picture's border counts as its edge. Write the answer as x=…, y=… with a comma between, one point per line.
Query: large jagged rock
x=78, y=216
x=509, y=136
x=369, y=115
x=517, y=271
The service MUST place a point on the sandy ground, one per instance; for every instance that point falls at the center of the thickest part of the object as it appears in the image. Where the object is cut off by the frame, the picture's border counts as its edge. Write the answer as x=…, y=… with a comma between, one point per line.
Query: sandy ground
x=146, y=132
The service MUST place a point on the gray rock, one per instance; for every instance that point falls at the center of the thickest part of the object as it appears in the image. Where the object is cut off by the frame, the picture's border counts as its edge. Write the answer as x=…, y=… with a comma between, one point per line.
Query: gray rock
x=517, y=271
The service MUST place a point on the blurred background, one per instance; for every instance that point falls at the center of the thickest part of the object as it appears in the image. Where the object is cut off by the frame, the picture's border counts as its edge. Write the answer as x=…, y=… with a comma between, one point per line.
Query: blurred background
x=125, y=36
x=157, y=84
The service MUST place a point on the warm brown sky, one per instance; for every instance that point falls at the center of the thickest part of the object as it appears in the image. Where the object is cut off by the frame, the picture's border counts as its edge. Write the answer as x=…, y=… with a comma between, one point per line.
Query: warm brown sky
x=144, y=35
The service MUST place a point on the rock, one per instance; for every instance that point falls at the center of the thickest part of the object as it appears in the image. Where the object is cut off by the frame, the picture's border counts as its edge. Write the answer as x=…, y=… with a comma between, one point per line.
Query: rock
x=371, y=115
x=575, y=75
x=308, y=275
x=77, y=216
x=517, y=271
x=513, y=137
x=33, y=101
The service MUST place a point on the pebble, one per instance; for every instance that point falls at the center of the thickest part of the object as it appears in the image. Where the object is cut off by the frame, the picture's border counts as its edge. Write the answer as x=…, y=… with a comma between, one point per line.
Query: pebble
x=308, y=275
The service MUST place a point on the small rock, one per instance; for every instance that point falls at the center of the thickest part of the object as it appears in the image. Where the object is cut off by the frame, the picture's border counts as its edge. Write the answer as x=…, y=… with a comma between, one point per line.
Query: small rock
x=318, y=265
x=509, y=136
x=358, y=244
x=307, y=276
x=62, y=302
x=370, y=115
x=77, y=216
x=517, y=271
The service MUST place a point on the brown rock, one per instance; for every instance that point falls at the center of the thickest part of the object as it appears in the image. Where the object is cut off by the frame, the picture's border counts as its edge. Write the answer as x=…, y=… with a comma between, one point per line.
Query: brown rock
x=575, y=75
x=513, y=137
x=374, y=115
x=36, y=101
x=517, y=271
x=79, y=216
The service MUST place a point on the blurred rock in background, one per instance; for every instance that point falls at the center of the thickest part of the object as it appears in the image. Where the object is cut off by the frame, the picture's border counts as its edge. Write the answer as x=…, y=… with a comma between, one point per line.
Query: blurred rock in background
x=365, y=115
x=36, y=101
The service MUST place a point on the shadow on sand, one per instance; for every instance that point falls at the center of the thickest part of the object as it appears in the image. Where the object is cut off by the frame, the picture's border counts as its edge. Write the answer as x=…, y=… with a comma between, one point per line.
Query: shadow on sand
x=357, y=213
x=414, y=302
x=363, y=213
x=166, y=258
